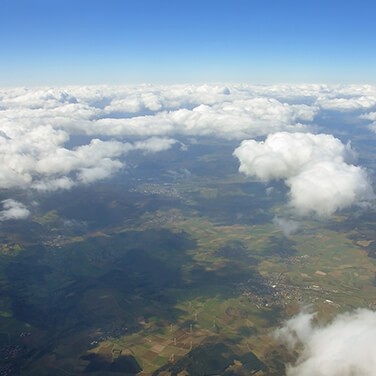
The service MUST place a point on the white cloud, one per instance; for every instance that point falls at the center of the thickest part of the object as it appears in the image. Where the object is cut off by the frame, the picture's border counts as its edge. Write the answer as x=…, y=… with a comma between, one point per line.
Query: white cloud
x=52, y=184
x=327, y=187
x=344, y=347
x=105, y=169
x=370, y=116
x=287, y=226
x=283, y=155
x=154, y=144
x=296, y=330
x=347, y=104
x=147, y=110
x=342, y=98
x=314, y=167
x=37, y=158
x=36, y=124
x=232, y=120
x=13, y=210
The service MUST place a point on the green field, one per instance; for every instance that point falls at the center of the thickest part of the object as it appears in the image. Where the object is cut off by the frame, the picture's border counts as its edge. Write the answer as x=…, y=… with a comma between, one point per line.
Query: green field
x=177, y=278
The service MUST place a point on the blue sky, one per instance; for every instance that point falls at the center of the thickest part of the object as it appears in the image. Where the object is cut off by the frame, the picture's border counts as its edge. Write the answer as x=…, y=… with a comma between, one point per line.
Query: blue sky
x=55, y=42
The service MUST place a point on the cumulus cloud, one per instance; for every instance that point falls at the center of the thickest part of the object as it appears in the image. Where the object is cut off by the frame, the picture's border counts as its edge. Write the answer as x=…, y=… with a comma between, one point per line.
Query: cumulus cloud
x=344, y=347
x=314, y=167
x=13, y=210
x=347, y=104
x=146, y=111
x=287, y=226
x=342, y=98
x=369, y=116
x=327, y=187
x=372, y=117
x=37, y=158
x=234, y=119
x=36, y=124
x=154, y=144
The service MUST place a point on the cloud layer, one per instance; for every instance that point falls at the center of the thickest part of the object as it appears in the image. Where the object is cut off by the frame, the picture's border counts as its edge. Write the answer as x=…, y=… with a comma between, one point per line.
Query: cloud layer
x=344, y=347
x=37, y=124
x=314, y=167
